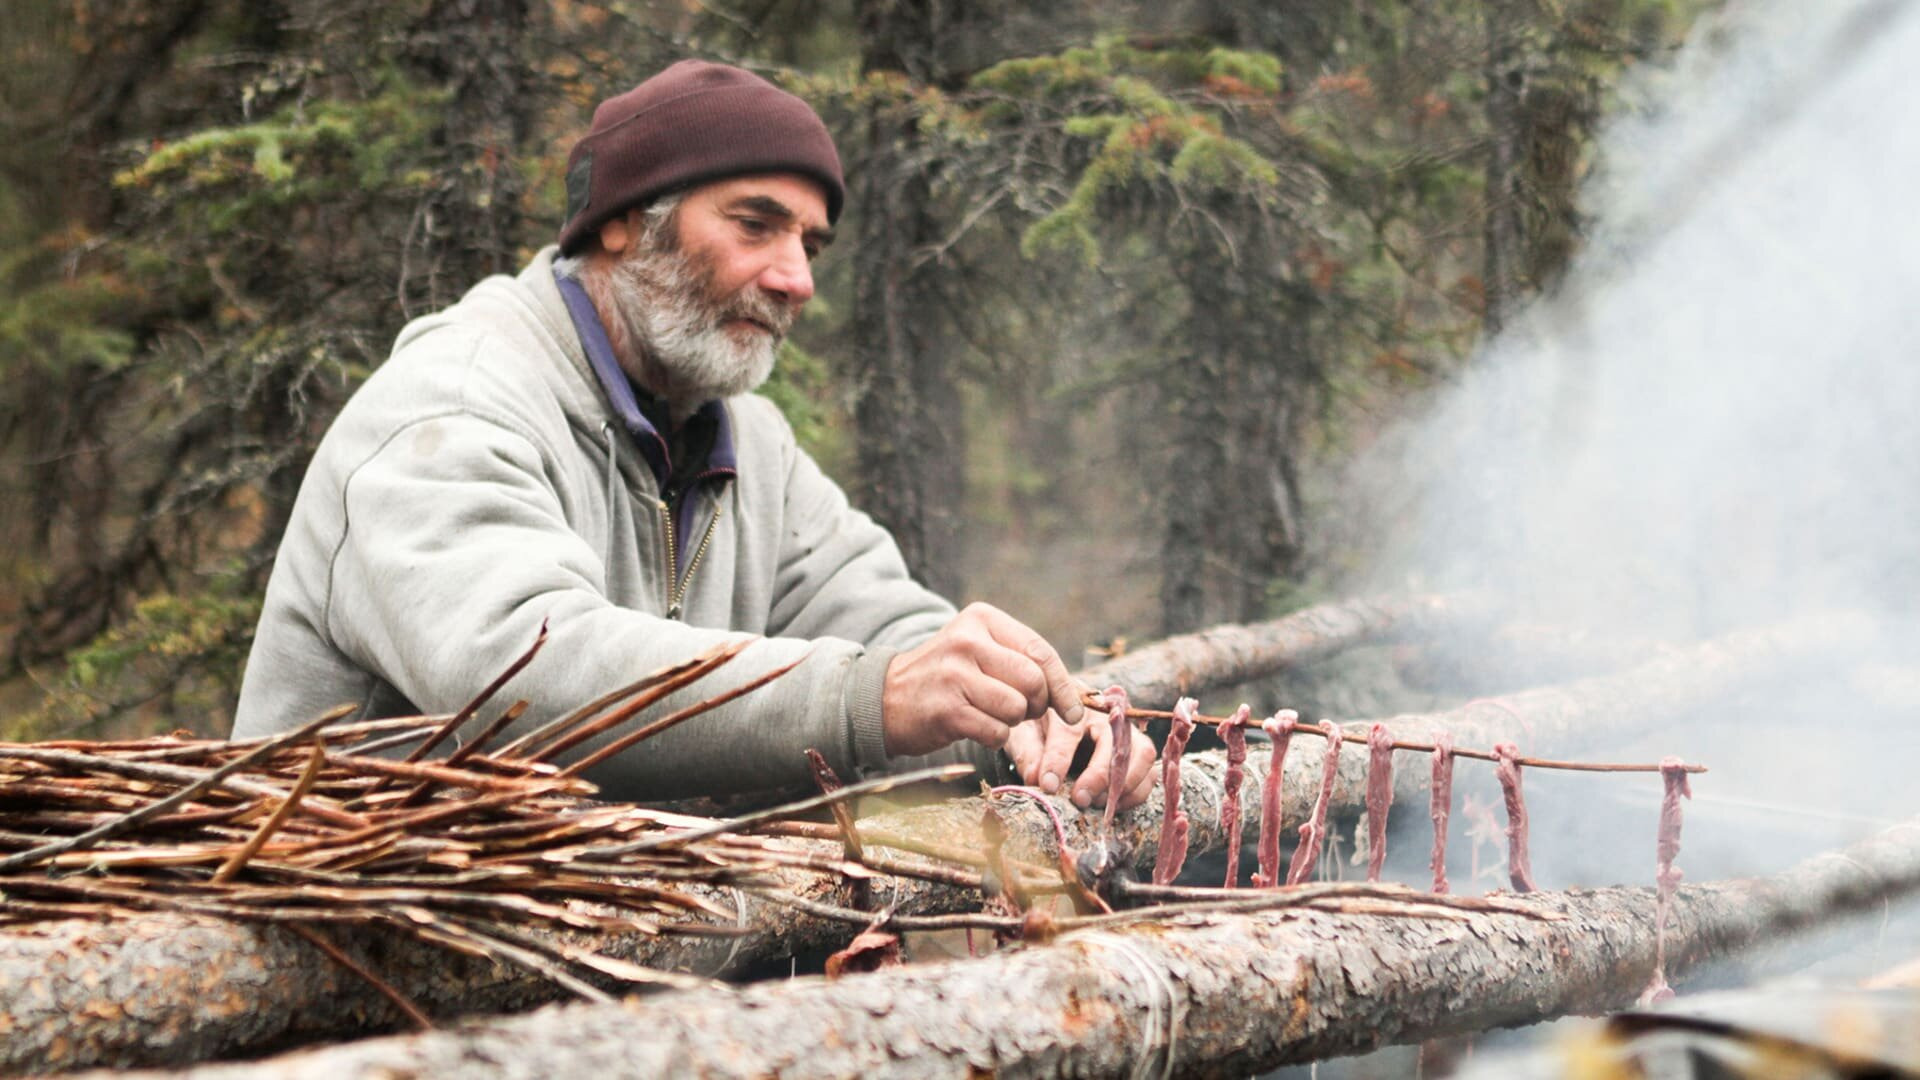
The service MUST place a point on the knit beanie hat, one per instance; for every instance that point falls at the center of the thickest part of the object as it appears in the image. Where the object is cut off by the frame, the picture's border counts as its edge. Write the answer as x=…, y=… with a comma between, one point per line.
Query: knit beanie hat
x=692, y=123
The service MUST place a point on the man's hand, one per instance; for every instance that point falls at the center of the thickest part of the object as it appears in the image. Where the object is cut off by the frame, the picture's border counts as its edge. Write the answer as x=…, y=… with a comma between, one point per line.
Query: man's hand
x=983, y=673
x=1042, y=759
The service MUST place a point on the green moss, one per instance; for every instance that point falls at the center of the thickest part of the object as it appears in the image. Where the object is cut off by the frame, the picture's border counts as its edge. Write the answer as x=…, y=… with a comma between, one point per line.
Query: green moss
x=144, y=655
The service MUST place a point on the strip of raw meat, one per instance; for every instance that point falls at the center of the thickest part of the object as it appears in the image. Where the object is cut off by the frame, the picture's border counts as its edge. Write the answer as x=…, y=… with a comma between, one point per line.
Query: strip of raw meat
x=1507, y=767
x=1314, y=832
x=1120, y=730
x=1279, y=727
x=1441, y=807
x=1173, y=824
x=1379, y=796
x=1666, y=876
x=1233, y=732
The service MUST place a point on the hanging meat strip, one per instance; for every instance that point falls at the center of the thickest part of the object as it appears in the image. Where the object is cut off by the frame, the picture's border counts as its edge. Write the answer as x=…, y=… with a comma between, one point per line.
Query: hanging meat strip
x=1379, y=796
x=1441, y=807
x=1666, y=876
x=1507, y=767
x=1233, y=732
x=1120, y=730
x=1314, y=832
x=1173, y=824
x=1279, y=727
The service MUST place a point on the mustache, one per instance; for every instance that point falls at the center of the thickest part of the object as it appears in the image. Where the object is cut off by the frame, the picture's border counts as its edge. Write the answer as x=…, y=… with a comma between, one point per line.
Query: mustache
x=753, y=304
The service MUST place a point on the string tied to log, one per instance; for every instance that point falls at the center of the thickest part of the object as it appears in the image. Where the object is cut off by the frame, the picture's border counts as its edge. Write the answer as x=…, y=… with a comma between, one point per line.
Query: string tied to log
x=1161, y=1035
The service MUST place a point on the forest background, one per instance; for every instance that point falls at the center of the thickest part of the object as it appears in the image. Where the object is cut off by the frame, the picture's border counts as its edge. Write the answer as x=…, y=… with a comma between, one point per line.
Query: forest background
x=1124, y=291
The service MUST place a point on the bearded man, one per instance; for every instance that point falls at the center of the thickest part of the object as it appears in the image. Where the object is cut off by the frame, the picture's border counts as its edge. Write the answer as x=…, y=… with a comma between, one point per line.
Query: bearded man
x=579, y=446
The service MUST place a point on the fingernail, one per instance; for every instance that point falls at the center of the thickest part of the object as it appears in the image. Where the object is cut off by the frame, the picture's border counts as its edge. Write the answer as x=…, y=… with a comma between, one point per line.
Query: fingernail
x=1083, y=798
x=1050, y=783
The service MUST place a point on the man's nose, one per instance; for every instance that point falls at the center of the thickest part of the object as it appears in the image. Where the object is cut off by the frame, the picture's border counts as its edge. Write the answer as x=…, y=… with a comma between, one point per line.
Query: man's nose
x=790, y=275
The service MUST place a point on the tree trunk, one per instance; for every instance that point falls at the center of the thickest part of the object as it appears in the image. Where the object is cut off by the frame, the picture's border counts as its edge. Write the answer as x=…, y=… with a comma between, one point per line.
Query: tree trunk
x=160, y=988
x=474, y=49
x=1237, y=396
x=1504, y=237
x=906, y=399
x=1202, y=994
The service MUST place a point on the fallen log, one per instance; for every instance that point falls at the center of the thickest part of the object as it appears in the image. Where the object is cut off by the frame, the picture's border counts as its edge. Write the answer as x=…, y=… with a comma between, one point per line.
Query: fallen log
x=1222, y=656
x=167, y=990
x=1518, y=654
x=161, y=988
x=1199, y=994
x=1648, y=697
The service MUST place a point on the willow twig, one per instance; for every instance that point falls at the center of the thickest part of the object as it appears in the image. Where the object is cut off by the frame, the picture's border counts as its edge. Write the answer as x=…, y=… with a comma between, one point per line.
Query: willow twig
x=625, y=742
x=275, y=820
x=747, y=821
x=453, y=722
x=161, y=806
x=704, y=665
x=1095, y=701
x=382, y=986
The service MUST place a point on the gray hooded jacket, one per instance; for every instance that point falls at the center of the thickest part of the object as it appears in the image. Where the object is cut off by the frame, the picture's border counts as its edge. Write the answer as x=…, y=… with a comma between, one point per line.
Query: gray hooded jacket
x=477, y=486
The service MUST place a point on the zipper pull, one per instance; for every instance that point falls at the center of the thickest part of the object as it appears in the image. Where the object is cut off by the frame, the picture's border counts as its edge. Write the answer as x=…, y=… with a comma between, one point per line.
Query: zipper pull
x=673, y=611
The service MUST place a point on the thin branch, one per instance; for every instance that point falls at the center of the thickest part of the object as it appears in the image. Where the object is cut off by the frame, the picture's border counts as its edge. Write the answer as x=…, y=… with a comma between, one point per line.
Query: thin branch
x=278, y=818
x=1092, y=700
x=186, y=794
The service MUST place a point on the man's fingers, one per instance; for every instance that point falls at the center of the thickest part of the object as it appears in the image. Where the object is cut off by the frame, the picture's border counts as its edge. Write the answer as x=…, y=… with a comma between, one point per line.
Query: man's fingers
x=995, y=700
x=1015, y=671
x=1093, y=779
x=1140, y=769
x=1062, y=691
x=966, y=722
x=1026, y=747
x=1056, y=756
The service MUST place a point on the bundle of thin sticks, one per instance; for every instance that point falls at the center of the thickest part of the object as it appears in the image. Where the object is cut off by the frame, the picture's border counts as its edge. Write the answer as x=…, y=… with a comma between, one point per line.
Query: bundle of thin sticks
x=475, y=851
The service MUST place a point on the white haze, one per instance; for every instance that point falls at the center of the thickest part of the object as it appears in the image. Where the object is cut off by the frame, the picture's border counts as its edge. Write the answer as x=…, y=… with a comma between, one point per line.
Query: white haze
x=1714, y=424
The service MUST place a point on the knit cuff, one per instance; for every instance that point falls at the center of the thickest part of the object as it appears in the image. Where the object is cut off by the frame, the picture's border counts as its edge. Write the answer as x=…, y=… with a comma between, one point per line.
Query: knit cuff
x=866, y=683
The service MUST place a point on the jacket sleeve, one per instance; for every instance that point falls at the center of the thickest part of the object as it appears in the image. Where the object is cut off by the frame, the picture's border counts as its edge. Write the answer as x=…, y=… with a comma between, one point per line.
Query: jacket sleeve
x=455, y=549
x=840, y=575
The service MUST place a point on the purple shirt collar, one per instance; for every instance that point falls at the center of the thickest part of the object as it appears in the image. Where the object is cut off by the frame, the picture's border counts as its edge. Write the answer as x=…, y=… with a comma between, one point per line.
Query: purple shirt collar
x=721, y=460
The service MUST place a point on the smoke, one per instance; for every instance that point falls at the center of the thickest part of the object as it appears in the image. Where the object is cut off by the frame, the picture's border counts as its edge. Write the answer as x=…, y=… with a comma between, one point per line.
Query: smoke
x=1713, y=424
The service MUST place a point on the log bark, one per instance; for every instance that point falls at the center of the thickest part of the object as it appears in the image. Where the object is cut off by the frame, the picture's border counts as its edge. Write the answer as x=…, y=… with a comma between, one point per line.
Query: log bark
x=1224, y=656
x=167, y=990
x=164, y=989
x=1201, y=994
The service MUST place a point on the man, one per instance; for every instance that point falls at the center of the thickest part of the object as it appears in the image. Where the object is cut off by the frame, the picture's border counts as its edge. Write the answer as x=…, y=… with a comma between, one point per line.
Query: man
x=579, y=446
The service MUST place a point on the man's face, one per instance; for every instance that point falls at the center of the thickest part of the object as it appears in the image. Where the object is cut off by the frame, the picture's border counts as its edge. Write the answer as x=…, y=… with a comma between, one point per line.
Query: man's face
x=708, y=295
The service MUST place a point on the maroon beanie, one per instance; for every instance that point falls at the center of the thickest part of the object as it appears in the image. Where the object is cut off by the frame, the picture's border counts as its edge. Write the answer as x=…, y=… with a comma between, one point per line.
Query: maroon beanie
x=694, y=122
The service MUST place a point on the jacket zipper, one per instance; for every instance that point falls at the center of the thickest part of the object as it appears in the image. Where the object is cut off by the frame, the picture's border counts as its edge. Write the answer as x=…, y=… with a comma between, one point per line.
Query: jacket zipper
x=677, y=592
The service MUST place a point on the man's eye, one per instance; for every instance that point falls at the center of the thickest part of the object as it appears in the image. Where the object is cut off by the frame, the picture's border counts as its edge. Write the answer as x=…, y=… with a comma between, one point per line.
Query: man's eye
x=754, y=227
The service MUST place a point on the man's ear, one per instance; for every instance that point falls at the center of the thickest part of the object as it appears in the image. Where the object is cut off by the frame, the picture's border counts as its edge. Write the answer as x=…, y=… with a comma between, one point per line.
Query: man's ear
x=614, y=235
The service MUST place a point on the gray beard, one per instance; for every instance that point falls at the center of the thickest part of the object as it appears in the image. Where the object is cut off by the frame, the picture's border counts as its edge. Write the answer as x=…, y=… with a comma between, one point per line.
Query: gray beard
x=678, y=331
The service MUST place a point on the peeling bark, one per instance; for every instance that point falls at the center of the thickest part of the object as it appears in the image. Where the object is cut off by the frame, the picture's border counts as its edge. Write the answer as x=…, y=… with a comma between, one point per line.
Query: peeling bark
x=1201, y=994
